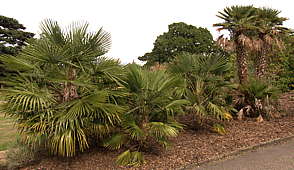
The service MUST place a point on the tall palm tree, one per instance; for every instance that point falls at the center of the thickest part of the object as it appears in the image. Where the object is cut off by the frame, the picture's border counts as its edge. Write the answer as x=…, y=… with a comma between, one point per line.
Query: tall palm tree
x=64, y=91
x=269, y=34
x=239, y=21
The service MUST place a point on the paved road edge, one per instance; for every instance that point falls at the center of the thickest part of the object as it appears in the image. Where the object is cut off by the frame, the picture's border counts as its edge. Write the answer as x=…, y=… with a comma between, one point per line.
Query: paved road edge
x=237, y=152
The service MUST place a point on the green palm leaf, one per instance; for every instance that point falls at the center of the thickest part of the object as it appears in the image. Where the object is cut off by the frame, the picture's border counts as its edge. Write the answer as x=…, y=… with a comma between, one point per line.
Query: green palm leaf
x=115, y=142
x=130, y=158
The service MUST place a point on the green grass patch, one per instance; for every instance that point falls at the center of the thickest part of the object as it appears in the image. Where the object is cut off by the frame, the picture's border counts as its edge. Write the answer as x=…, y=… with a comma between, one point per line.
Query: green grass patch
x=8, y=132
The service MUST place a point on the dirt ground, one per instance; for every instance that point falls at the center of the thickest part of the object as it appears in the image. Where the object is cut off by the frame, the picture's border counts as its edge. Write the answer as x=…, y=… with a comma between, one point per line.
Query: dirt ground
x=191, y=146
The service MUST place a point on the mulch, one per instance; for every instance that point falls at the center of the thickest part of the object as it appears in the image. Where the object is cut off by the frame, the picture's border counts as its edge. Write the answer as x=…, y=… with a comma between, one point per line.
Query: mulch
x=191, y=146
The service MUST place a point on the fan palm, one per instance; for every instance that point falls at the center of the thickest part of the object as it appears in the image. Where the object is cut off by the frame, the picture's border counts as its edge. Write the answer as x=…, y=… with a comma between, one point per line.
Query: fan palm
x=205, y=83
x=239, y=21
x=257, y=99
x=64, y=91
x=269, y=34
x=257, y=29
x=154, y=98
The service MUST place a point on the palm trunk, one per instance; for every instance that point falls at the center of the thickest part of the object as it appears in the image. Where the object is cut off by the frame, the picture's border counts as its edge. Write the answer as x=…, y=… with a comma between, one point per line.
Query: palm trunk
x=261, y=63
x=261, y=66
x=143, y=126
x=144, y=122
x=241, y=63
x=70, y=90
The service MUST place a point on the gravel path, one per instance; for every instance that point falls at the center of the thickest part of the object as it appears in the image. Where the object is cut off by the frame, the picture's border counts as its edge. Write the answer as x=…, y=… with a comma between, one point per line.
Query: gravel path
x=274, y=157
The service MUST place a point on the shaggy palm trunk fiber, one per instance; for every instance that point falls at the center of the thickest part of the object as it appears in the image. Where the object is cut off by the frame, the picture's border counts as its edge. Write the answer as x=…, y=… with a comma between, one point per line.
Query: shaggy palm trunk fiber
x=70, y=90
x=261, y=63
x=241, y=62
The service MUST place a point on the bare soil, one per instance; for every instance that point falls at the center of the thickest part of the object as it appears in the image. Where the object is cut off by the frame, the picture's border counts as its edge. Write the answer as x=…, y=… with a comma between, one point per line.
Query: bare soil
x=191, y=146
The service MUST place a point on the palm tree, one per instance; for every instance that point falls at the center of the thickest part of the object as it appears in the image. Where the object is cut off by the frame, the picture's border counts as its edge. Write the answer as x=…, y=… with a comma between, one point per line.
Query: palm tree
x=239, y=21
x=154, y=99
x=206, y=87
x=257, y=99
x=269, y=34
x=64, y=92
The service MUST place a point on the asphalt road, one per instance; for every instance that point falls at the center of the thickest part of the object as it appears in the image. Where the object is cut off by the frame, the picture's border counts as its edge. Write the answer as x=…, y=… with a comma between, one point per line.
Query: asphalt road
x=273, y=157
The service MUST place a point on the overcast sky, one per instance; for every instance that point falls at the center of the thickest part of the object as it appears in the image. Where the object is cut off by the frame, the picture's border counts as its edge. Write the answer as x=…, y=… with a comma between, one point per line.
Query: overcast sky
x=133, y=24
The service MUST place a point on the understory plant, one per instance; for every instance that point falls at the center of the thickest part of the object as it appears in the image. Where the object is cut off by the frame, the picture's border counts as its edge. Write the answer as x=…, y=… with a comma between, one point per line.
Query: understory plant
x=206, y=87
x=257, y=99
x=63, y=92
x=154, y=99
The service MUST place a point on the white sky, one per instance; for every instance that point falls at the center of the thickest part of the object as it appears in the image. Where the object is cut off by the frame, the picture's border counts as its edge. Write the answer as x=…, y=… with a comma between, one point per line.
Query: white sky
x=133, y=24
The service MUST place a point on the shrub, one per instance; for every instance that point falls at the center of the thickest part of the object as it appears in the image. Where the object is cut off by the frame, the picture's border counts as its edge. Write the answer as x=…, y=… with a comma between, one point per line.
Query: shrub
x=206, y=87
x=257, y=98
x=153, y=102
x=64, y=91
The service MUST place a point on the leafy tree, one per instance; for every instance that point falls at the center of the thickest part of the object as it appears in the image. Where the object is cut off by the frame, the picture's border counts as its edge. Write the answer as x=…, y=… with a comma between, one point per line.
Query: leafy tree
x=12, y=36
x=63, y=92
x=154, y=99
x=12, y=39
x=281, y=65
x=180, y=38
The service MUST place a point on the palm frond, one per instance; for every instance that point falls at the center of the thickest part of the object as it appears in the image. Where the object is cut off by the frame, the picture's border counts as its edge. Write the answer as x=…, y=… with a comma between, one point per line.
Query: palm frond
x=160, y=129
x=129, y=158
x=134, y=131
x=52, y=31
x=116, y=141
x=62, y=92
x=64, y=142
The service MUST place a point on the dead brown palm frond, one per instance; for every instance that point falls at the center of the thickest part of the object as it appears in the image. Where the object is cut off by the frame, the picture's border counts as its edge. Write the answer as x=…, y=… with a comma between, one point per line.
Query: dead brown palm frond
x=221, y=41
x=225, y=43
x=280, y=44
x=158, y=66
x=219, y=29
x=257, y=44
x=259, y=119
x=245, y=41
x=244, y=111
x=268, y=39
x=275, y=32
x=230, y=46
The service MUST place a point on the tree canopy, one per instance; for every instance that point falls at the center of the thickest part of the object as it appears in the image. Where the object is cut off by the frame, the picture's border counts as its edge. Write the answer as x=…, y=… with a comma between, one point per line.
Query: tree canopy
x=180, y=38
x=12, y=35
